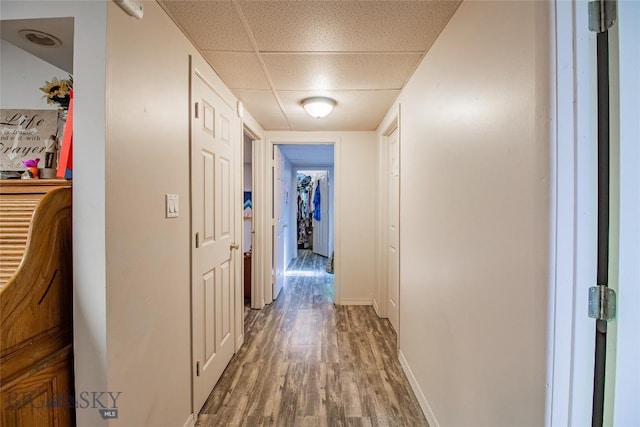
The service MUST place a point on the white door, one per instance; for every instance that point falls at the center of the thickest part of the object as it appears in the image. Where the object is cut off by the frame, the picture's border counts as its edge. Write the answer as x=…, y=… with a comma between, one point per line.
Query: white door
x=393, y=230
x=622, y=376
x=278, y=222
x=212, y=292
x=321, y=227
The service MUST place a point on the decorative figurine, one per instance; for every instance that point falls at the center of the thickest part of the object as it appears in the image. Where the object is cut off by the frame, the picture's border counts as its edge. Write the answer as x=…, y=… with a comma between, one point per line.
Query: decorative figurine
x=32, y=168
x=50, y=152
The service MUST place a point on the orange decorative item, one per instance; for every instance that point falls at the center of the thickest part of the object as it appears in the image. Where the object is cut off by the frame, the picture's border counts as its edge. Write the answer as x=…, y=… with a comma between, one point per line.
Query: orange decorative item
x=32, y=167
x=65, y=163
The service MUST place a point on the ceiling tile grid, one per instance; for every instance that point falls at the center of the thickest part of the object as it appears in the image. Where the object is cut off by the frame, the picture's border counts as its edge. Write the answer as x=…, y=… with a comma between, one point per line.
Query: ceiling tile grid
x=211, y=25
x=341, y=71
x=273, y=54
x=264, y=108
x=345, y=26
x=239, y=70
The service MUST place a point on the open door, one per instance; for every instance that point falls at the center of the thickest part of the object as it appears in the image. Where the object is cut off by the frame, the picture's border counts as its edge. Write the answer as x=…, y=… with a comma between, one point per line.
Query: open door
x=213, y=247
x=617, y=372
x=279, y=224
x=321, y=215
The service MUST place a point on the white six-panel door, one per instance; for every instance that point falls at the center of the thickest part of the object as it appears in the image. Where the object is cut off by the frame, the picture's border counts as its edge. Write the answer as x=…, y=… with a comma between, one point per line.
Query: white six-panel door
x=213, y=228
x=393, y=230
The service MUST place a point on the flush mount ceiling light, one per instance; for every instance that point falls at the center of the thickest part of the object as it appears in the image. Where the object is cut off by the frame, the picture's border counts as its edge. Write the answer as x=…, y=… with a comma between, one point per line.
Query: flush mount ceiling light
x=40, y=38
x=318, y=106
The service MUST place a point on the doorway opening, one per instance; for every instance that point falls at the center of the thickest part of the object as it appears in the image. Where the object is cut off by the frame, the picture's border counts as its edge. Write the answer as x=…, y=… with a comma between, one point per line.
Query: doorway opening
x=303, y=217
x=247, y=218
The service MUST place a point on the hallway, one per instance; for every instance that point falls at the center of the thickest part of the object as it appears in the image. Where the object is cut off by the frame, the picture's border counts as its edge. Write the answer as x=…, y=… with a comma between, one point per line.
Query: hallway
x=306, y=362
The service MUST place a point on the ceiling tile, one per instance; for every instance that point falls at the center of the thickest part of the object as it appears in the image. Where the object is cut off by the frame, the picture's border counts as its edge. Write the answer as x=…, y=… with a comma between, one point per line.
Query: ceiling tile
x=339, y=71
x=239, y=70
x=374, y=26
x=355, y=110
x=262, y=105
x=211, y=25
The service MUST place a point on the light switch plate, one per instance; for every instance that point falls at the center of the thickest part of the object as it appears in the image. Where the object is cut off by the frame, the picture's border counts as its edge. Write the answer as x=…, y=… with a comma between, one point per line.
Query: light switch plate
x=172, y=206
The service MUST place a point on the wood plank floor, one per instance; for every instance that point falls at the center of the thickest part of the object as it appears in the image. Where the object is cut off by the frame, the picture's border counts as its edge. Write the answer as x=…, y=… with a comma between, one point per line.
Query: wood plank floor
x=306, y=362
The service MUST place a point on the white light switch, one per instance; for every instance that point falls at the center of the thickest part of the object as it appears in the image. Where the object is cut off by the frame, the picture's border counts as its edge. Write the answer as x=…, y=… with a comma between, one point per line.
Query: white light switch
x=172, y=206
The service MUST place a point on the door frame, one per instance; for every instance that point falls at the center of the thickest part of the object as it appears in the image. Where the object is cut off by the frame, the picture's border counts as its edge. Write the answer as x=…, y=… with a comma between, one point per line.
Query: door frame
x=330, y=174
x=263, y=227
x=278, y=188
x=257, y=254
x=573, y=207
x=568, y=400
x=385, y=220
x=381, y=297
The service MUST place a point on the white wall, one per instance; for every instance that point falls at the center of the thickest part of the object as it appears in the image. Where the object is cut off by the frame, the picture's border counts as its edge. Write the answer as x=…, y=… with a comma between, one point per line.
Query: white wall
x=355, y=172
x=148, y=305
x=475, y=218
x=22, y=76
x=355, y=194
x=88, y=185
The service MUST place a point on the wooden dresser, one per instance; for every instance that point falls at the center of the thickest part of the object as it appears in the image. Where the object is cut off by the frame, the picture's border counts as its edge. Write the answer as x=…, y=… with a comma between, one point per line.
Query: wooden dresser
x=36, y=303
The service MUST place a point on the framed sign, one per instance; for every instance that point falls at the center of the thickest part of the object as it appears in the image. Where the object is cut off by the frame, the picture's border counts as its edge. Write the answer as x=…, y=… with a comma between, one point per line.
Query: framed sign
x=23, y=136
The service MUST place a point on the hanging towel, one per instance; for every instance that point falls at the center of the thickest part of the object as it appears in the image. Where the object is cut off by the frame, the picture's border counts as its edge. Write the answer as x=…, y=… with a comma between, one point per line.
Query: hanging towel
x=316, y=203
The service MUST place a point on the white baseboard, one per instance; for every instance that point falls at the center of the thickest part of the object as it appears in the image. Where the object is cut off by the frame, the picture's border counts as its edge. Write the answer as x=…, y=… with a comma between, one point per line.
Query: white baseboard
x=239, y=342
x=422, y=400
x=191, y=421
x=355, y=301
x=375, y=307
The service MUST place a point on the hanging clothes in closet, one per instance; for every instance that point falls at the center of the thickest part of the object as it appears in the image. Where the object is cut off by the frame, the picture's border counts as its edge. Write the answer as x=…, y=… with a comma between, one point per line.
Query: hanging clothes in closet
x=305, y=211
x=316, y=202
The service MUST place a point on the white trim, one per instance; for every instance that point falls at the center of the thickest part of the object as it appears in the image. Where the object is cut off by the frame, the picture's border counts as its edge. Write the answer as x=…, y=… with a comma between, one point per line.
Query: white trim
x=422, y=400
x=191, y=421
x=573, y=210
x=390, y=123
x=259, y=223
x=375, y=307
x=257, y=291
x=562, y=208
x=356, y=301
x=266, y=189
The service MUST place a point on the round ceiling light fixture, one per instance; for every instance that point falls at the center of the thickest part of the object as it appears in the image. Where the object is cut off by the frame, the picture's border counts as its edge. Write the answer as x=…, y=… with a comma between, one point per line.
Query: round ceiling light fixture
x=318, y=106
x=40, y=38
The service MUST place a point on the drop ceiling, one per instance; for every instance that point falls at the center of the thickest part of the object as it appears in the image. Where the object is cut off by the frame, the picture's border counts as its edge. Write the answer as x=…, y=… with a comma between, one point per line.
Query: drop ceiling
x=273, y=54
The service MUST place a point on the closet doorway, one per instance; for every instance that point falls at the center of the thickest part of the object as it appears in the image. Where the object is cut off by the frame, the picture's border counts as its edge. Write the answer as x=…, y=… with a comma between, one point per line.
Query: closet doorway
x=312, y=232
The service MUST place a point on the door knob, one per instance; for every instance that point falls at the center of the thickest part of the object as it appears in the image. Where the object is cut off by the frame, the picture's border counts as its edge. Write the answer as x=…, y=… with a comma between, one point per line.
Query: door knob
x=234, y=246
